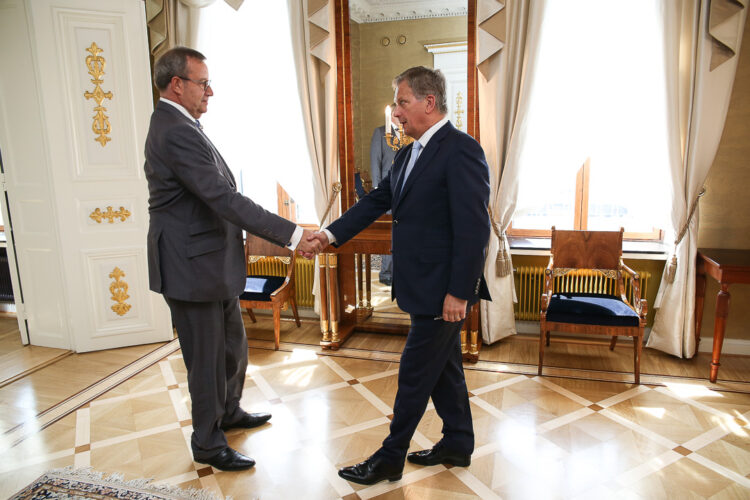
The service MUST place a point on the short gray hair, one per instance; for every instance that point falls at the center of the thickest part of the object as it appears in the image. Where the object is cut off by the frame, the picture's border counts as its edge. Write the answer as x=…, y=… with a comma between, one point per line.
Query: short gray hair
x=173, y=63
x=423, y=82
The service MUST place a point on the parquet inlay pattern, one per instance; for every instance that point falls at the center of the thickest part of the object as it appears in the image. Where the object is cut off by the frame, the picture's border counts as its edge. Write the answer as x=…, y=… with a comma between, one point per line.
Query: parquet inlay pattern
x=548, y=437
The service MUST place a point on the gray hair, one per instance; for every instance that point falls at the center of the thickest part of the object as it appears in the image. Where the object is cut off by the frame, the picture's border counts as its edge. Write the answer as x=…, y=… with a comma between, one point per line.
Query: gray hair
x=423, y=82
x=173, y=63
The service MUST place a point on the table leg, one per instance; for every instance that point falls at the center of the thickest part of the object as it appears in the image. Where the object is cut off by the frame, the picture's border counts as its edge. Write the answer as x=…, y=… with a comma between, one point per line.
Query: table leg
x=720, y=323
x=700, y=293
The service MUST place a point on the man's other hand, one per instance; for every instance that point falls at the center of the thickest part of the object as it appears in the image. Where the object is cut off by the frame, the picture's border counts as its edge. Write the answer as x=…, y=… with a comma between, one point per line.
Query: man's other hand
x=454, y=309
x=309, y=246
x=319, y=238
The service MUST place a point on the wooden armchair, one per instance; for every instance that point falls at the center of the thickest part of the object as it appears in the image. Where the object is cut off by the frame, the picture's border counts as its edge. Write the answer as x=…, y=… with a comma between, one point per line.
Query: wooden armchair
x=269, y=292
x=591, y=313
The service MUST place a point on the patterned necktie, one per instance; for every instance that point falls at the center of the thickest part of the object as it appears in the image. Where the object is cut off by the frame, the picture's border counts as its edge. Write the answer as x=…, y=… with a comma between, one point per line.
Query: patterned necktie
x=198, y=124
x=416, y=147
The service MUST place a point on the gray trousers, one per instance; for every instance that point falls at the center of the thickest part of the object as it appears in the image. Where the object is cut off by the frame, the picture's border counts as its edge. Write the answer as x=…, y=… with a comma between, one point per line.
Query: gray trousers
x=214, y=348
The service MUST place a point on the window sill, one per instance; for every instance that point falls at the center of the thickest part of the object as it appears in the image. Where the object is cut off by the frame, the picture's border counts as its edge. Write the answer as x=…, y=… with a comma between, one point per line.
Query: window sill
x=644, y=250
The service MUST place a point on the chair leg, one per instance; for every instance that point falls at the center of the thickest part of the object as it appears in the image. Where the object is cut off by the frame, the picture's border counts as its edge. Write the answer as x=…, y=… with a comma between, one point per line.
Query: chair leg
x=542, y=332
x=613, y=343
x=548, y=337
x=276, y=326
x=637, y=347
x=250, y=313
x=293, y=303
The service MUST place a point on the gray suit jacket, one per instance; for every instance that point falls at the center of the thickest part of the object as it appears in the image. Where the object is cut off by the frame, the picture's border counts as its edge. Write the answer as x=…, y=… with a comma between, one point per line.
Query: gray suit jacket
x=381, y=156
x=195, y=248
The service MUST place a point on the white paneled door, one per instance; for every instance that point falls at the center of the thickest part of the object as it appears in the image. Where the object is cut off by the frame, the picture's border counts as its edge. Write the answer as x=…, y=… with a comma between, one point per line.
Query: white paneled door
x=75, y=102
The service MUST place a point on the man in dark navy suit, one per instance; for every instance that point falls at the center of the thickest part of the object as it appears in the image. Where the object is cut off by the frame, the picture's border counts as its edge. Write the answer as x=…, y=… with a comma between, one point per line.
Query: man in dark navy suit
x=437, y=190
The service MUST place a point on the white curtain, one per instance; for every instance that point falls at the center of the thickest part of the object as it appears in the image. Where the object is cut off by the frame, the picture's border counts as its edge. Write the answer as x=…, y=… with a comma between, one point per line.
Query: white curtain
x=702, y=40
x=175, y=22
x=507, y=39
x=312, y=22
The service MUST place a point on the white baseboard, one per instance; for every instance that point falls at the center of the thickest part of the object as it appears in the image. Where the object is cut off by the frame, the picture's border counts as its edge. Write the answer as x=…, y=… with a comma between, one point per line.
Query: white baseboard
x=730, y=346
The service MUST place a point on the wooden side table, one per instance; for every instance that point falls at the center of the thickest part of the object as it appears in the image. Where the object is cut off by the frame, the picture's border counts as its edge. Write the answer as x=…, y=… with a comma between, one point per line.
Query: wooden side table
x=726, y=266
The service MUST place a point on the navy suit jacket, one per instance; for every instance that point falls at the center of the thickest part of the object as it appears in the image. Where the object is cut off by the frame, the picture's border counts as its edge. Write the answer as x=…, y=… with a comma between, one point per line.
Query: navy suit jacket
x=440, y=222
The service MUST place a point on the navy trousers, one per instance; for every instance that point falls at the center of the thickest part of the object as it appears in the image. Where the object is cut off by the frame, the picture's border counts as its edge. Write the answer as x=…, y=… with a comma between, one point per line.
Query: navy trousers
x=431, y=366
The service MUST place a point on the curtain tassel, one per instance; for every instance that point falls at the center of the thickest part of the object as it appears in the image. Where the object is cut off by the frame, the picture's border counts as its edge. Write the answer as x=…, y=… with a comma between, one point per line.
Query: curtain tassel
x=671, y=271
x=502, y=262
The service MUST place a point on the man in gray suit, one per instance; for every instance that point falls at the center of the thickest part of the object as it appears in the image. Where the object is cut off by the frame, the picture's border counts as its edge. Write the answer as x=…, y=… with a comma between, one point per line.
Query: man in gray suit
x=195, y=253
x=381, y=161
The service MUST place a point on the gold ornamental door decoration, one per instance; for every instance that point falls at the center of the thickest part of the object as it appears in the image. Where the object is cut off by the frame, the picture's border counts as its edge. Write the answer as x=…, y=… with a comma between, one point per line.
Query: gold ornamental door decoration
x=96, y=64
x=110, y=215
x=119, y=291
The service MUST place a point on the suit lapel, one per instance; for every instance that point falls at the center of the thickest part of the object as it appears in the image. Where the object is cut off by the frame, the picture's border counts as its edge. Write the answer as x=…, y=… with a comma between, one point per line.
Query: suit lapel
x=422, y=162
x=221, y=165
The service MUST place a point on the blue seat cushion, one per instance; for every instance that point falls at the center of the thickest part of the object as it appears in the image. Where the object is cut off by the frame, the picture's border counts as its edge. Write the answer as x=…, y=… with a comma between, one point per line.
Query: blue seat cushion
x=590, y=309
x=261, y=287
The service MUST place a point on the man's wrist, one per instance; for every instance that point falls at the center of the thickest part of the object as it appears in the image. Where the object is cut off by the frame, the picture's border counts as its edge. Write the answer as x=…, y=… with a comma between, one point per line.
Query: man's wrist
x=329, y=235
x=296, y=237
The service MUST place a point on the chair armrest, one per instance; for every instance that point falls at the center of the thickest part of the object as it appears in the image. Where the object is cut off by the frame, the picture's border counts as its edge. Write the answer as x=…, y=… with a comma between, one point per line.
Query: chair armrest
x=549, y=281
x=289, y=280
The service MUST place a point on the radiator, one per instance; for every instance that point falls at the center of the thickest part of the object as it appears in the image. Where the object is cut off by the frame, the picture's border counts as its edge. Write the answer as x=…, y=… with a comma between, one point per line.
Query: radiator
x=530, y=284
x=303, y=275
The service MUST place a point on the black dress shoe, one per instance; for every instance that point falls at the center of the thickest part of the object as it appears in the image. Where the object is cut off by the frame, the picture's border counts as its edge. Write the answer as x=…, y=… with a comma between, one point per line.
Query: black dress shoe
x=248, y=421
x=439, y=454
x=371, y=471
x=228, y=459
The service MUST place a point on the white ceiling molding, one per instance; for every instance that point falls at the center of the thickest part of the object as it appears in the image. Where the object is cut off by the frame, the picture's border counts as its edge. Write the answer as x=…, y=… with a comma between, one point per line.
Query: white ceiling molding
x=378, y=11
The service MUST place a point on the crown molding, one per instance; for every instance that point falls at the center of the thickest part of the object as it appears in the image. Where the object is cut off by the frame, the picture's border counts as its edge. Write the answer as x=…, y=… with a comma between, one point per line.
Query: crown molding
x=378, y=11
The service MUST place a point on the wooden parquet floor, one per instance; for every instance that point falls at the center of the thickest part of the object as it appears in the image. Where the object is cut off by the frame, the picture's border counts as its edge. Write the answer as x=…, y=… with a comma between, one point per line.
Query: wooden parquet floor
x=581, y=432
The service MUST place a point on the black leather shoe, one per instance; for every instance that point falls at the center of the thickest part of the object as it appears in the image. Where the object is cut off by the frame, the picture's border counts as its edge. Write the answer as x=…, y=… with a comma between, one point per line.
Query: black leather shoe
x=228, y=459
x=371, y=471
x=248, y=421
x=439, y=454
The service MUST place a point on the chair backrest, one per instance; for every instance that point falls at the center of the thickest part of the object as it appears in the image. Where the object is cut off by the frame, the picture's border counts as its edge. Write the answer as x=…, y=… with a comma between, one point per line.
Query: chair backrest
x=586, y=249
x=260, y=247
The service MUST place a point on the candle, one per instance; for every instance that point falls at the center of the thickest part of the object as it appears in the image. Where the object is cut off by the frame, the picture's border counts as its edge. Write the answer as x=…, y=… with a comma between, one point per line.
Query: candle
x=387, y=119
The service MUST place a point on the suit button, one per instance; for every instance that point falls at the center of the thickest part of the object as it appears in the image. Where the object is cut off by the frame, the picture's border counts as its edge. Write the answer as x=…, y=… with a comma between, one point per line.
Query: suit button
x=395, y=221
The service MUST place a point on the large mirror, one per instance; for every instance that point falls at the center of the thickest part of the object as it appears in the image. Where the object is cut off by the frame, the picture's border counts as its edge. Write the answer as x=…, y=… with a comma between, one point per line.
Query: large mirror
x=377, y=40
x=386, y=38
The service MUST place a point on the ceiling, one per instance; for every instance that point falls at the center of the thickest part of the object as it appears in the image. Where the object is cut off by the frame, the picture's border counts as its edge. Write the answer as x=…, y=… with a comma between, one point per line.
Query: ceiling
x=375, y=11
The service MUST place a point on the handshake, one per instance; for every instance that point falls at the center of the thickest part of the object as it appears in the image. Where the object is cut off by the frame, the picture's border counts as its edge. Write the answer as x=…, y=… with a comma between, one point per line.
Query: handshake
x=311, y=243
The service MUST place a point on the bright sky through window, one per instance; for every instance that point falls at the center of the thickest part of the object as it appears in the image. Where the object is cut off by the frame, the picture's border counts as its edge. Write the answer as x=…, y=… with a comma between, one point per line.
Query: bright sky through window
x=255, y=118
x=598, y=93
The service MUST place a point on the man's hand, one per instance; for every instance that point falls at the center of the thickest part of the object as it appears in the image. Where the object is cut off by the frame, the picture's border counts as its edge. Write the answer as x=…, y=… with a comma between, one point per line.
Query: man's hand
x=320, y=238
x=454, y=309
x=309, y=245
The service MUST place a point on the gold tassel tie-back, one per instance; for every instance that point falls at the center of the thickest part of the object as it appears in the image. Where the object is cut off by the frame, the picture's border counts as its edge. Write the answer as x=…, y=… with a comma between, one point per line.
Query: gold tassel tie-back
x=671, y=272
x=503, y=266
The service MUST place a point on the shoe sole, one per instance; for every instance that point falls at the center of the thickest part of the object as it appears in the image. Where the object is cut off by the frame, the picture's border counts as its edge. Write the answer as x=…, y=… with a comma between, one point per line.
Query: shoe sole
x=354, y=480
x=456, y=463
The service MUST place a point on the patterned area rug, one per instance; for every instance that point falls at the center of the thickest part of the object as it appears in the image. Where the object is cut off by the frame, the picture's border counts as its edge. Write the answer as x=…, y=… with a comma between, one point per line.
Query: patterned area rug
x=71, y=483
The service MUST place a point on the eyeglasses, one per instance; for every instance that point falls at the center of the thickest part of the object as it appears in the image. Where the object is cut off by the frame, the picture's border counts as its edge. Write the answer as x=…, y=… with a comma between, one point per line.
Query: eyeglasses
x=205, y=83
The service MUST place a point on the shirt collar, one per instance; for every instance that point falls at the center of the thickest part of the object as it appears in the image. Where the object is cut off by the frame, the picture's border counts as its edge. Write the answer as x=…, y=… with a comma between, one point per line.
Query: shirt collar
x=179, y=107
x=431, y=131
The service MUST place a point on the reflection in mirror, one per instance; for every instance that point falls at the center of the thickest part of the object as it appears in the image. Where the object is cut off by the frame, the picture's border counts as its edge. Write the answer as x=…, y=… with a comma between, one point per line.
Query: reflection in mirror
x=385, y=40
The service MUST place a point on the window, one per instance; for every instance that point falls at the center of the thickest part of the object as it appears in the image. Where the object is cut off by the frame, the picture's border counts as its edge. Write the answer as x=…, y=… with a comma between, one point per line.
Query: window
x=594, y=150
x=255, y=117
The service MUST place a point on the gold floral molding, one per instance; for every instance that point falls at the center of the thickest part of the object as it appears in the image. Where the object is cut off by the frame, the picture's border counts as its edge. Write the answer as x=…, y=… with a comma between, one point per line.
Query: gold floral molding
x=101, y=125
x=459, y=111
x=119, y=291
x=110, y=215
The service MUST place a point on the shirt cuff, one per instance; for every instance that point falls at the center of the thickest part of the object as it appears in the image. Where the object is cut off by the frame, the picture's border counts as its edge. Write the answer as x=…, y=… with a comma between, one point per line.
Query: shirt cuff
x=296, y=237
x=331, y=237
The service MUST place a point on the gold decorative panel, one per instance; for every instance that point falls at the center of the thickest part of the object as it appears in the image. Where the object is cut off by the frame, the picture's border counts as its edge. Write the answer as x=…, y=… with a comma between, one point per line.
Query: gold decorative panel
x=110, y=215
x=96, y=64
x=119, y=291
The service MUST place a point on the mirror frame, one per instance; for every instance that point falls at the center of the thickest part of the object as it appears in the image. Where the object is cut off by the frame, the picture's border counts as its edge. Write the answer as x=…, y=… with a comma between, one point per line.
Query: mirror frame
x=344, y=100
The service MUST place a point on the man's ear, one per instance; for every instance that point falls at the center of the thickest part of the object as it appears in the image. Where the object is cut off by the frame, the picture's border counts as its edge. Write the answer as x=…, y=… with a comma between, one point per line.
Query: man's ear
x=176, y=85
x=429, y=103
